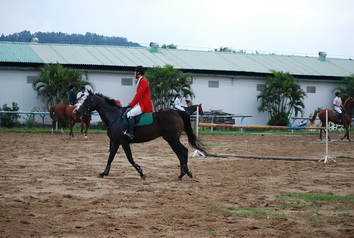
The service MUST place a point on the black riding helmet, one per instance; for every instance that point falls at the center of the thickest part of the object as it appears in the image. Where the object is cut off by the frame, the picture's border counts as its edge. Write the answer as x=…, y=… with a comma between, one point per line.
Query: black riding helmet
x=140, y=69
x=337, y=93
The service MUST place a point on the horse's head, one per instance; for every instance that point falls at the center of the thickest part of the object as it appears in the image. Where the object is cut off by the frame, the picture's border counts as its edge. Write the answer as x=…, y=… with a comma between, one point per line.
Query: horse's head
x=201, y=112
x=87, y=106
x=349, y=104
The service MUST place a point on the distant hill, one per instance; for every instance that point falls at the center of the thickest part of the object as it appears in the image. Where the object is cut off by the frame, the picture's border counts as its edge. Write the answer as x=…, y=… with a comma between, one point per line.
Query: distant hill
x=64, y=38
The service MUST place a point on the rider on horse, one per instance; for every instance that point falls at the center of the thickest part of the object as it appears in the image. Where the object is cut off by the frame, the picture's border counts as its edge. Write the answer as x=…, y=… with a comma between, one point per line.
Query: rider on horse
x=141, y=102
x=177, y=103
x=337, y=106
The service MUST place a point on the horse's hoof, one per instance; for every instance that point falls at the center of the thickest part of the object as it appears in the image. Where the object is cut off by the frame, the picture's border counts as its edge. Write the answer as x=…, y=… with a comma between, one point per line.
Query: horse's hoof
x=143, y=177
x=100, y=176
x=85, y=138
x=189, y=173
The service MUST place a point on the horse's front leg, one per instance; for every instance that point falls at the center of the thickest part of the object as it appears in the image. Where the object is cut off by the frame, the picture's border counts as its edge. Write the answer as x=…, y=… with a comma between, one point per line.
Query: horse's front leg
x=84, y=129
x=71, y=125
x=346, y=134
x=129, y=155
x=113, y=150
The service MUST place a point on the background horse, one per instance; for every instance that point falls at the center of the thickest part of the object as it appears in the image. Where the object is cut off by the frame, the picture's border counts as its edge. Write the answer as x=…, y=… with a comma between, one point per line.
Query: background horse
x=57, y=112
x=192, y=109
x=333, y=117
x=167, y=123
x=85, y=121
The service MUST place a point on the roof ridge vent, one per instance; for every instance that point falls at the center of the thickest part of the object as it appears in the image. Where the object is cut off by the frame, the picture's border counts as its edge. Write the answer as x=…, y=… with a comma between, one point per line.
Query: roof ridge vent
x=227, y=49
x=34, y=40
x=322, y=56
x=154, y=47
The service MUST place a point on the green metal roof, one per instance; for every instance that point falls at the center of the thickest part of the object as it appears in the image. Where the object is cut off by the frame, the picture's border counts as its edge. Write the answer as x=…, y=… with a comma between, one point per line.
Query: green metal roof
x=18, y=52
x=180, y=59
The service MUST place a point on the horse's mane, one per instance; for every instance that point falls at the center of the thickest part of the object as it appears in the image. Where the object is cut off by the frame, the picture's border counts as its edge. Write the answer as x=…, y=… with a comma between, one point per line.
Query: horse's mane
x=346, y=101
x=108, y=100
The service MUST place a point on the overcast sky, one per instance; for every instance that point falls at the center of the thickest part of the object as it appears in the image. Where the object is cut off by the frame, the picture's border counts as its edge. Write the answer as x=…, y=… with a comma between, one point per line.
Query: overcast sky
x=299, y=27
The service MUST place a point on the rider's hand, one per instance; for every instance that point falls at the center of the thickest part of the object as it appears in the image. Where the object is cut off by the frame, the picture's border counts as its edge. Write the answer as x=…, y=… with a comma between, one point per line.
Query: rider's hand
x=129, y=106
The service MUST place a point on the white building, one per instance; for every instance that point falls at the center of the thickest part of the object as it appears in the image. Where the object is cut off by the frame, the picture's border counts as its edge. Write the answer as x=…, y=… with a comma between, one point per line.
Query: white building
x=223, y=80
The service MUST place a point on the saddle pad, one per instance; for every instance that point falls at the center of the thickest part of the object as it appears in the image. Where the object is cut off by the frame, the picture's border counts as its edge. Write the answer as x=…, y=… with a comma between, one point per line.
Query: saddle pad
x=141, y=120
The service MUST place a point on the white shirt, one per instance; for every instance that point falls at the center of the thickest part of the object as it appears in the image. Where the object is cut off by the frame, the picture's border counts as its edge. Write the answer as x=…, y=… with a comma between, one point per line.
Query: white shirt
x=178, y=104
x=81, y=100
x=337, y=101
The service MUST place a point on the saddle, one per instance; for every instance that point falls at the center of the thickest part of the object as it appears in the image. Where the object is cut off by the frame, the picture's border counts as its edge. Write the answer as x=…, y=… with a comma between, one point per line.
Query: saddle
x=144, y=119
x=337, y=115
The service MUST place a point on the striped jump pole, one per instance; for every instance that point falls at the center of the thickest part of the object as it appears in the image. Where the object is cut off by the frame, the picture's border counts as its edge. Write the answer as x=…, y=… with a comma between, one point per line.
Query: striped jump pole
x=326, y=157
x=197, y=152
x=262, y=127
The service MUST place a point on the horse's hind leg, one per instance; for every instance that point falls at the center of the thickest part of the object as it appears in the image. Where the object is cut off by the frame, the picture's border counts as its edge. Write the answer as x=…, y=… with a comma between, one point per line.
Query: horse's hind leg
x=60, y=124
x=129, y=155
x=182, y=154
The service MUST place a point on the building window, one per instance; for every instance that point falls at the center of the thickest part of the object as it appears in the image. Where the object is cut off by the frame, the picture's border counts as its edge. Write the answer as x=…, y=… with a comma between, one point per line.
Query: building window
x=213, y=84
x=260, y=87
x=127, y=81
x=311, y=89
x=31, y=79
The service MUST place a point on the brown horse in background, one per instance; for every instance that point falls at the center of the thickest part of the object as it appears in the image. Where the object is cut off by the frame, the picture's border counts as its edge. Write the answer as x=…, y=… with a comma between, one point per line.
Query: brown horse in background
x=57, y=112
x=333, y=117
x=85, y=121
x=192, y=109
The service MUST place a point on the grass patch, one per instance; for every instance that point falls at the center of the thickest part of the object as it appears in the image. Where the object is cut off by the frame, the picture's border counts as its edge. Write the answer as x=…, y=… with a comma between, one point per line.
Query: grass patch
x=318, y=209
x=249, y=211
x=313, y=197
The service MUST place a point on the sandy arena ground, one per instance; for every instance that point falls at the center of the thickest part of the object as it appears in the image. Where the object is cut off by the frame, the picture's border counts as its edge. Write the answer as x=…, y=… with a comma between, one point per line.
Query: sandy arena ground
x=49, y=188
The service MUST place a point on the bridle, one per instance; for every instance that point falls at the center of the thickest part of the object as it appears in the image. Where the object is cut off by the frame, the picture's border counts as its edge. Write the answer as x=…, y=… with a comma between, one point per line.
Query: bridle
x=87, y=110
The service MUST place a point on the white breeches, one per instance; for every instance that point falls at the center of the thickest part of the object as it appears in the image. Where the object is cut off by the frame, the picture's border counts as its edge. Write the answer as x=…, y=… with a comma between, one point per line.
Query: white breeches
x=135, y=111
x=338, y=109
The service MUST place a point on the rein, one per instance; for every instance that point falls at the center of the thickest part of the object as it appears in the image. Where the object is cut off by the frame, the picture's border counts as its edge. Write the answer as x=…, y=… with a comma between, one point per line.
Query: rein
x=87, y=109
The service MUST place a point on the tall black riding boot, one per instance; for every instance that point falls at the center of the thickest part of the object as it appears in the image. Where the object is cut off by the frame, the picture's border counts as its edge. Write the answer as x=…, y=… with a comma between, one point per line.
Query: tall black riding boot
x=130, y=132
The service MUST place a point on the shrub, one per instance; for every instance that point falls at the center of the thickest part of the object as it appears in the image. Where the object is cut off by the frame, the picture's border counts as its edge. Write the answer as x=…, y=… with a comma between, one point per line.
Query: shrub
x=9, y=119
x=30, y=120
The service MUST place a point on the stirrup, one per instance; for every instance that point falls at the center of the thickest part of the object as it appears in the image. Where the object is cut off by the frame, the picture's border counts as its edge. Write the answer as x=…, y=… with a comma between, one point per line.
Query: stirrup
x=129, y=135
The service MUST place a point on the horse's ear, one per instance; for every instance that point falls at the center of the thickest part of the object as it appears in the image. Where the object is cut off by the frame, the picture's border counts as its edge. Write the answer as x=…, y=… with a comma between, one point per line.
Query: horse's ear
x=90, y=92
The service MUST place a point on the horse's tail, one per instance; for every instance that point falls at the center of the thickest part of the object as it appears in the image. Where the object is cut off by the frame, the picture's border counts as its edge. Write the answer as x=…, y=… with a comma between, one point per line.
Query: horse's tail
x=52, y=113
x=192, y=138
x=314, y=116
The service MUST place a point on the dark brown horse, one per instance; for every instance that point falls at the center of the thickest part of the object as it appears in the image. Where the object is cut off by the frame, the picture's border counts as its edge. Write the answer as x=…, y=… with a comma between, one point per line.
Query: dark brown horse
x=333, y=117
x=57, y=112
x=167, y=123
x=192, y=109
x=85, y=121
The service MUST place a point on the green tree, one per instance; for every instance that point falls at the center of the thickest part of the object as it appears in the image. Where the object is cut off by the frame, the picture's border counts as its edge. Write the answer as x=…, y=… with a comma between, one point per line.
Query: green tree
x=53, y=82
x=281, y=98
x=165, y=83
x=347, y=91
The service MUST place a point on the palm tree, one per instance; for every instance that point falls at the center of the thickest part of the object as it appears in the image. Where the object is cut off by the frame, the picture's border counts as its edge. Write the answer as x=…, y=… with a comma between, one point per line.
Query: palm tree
x=281, y=98
x=165, y=83
x=347, y=91
x=53, y=82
